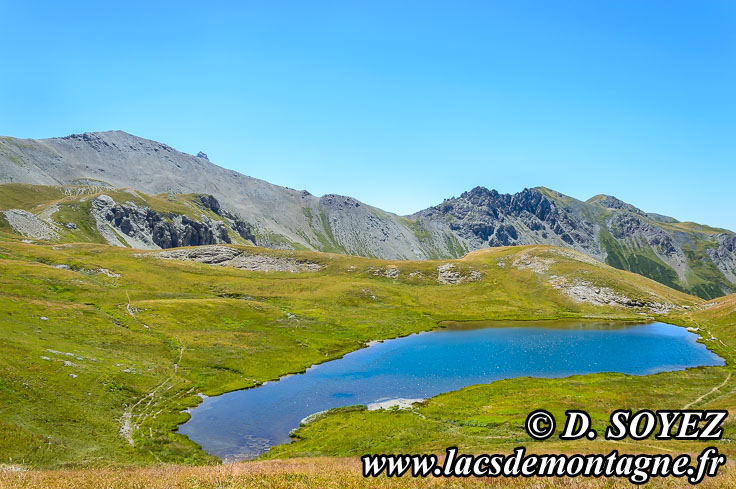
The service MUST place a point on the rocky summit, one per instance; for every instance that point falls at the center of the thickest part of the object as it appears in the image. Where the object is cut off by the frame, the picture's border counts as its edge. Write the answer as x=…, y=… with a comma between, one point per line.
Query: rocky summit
x=690, y=257
x=686, y=256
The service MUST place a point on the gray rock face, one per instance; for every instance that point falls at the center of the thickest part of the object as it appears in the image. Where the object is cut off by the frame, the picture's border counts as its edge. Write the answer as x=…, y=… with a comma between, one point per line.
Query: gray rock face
x=27, y=224
x=486, y=218
x=234, y=221
x=632, y=230
x=724, y=256
x=143, y=227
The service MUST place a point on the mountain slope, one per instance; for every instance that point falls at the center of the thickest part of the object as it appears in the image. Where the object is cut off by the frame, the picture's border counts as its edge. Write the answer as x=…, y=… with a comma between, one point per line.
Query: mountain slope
x=280, y=217
x=686, y=256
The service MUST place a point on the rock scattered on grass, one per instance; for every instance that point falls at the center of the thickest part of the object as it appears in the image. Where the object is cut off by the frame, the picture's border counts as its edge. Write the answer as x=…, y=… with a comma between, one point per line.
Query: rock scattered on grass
x=233, y=257
x=389, y=272
x=448, y=274
x=107, y=272
x=584, y=291
x=399, y=403
x=536, y=264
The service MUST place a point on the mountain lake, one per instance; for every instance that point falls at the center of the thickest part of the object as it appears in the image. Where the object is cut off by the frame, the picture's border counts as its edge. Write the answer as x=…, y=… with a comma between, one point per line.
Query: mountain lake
x=244, y=424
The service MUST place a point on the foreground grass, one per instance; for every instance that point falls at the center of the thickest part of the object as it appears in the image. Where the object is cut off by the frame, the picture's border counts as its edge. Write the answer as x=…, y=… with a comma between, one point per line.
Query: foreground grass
x=313, y=473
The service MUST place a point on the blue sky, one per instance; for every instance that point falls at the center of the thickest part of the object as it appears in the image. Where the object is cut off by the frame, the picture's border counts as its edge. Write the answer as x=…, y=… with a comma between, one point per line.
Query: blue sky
x=400, y=104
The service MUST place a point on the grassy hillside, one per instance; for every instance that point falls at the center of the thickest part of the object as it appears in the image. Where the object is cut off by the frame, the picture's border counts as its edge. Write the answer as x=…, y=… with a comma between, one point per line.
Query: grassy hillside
x=106, y=346
x=313, y=473
x=647, y=257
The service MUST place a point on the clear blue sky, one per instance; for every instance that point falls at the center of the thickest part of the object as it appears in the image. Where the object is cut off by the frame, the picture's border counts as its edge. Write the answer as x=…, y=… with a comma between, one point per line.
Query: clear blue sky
x=400, y=104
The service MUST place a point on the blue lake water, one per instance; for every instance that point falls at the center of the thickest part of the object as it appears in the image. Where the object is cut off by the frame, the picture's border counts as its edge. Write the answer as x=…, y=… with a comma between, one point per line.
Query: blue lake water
x=246, y=423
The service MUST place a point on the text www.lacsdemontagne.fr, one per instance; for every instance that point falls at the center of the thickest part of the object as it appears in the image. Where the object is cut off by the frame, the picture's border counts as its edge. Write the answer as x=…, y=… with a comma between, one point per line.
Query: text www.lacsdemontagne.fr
x=638, y=469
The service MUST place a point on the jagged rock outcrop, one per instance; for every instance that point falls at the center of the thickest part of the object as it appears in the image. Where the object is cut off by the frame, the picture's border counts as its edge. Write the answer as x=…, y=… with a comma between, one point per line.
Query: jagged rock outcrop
x=487, y=218
x=604, y=228
x=235, y=222
x=142, y=227
x=724, y=256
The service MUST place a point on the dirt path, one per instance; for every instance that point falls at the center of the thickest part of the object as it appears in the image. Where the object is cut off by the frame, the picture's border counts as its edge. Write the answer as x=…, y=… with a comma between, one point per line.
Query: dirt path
x=130, y=420
x=714, y=389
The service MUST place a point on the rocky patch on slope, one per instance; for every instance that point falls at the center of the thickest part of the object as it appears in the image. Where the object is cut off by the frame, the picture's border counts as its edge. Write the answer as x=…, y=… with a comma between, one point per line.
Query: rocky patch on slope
x=450, y=274
x=581, y=290
x=29, y=225
x=585, y=291
x=233, y=257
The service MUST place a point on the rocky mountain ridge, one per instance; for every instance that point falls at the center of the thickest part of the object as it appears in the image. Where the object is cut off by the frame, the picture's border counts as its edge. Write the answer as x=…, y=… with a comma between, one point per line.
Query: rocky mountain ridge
x=685, y=256
x=689, y=257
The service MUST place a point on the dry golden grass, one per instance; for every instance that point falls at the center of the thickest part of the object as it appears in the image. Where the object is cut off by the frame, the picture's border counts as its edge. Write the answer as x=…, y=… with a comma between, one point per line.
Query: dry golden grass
x=312, y=473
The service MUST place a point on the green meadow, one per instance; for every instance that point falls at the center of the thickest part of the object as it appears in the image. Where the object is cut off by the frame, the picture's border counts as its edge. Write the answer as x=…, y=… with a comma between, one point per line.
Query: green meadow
x=104, y=348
